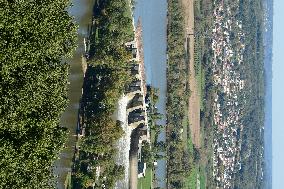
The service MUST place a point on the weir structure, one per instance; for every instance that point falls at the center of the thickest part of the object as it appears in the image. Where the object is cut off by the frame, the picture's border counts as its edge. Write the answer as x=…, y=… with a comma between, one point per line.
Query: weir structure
x=137, y=109
x=131, y=112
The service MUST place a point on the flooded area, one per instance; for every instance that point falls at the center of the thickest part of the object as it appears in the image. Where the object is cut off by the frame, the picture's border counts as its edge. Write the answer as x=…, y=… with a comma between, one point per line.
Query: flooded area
x=153, y=14
x=82, y=13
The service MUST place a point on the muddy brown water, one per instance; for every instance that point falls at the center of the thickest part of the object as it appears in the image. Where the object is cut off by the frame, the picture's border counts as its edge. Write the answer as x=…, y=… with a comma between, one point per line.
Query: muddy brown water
x=82, y=13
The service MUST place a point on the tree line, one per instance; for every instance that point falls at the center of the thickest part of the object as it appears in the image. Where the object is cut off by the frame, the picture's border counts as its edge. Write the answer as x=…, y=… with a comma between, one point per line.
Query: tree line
x=35, y=36
x=106, y=79
x=179, y=159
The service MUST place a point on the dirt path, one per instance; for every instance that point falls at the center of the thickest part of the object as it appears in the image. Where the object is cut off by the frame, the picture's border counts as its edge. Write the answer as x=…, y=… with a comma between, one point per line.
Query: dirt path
x=194, y=99
x=133, y=160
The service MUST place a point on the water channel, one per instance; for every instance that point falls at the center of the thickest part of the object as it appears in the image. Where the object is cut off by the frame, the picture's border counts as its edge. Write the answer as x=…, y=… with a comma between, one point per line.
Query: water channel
x=82, y=13
x=153, y=14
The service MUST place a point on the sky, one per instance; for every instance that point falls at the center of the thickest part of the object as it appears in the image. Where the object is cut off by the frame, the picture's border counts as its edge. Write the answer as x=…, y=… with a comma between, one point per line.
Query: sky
x=278, y=96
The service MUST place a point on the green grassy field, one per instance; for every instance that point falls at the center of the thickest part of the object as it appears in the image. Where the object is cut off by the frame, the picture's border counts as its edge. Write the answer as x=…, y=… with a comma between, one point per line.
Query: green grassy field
x=200, y=77
x=191, y=181
x=197, y=171
x=146, y=182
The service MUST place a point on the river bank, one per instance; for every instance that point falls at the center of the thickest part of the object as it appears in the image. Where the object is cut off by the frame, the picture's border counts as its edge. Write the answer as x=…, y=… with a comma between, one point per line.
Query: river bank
x=114, y=82
x=82, y=12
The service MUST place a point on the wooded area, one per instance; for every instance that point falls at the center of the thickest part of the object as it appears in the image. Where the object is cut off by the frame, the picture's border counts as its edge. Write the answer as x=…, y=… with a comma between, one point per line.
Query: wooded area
x=34, y=38
x=252, y=15
x=179, y=159
x=105, y=81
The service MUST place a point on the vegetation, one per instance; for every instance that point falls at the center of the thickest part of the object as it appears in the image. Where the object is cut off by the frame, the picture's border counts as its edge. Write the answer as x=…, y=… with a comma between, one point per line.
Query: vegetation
x=251, y=13
x=155, y=129
x=183, y=157
x=151, y=152
x=146, y=182
x=105, y=81
x=180, y=160
x=35, y=37
x=199, y=163
x=203, y=10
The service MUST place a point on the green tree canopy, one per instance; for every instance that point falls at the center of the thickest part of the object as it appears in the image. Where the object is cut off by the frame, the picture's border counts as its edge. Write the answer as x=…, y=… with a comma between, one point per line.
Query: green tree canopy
x=35, y=36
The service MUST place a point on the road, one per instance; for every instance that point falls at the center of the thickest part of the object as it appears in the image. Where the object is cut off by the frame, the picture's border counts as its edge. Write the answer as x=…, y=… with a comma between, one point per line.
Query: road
x=133, y=160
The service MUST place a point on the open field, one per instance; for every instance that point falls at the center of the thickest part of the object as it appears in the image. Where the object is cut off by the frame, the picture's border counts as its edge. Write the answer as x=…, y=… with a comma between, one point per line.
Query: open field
x=145, y=182
x=184, y=89
x=194, y=99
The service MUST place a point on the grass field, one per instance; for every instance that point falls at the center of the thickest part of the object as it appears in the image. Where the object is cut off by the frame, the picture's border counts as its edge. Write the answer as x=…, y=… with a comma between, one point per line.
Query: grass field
x=200, y=77
x=191, y=181
x=202, y=177
x=197, y=171
x=146, y=182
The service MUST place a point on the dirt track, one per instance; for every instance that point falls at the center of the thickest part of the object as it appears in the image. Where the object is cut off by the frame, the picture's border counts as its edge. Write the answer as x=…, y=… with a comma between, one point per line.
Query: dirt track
x=133, y=160
x=194, y=99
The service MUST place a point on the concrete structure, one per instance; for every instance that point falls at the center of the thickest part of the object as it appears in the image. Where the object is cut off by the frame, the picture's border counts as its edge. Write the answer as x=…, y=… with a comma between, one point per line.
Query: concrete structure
x=137, y=110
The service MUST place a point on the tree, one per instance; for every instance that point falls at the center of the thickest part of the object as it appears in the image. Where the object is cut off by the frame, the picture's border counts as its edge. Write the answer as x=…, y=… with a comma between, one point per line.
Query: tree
x=106, y=78
x=147, y=154
x=35, y=37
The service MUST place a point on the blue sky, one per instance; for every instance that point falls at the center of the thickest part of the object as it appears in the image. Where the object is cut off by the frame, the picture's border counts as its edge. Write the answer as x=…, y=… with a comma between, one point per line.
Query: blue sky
x=278, y=96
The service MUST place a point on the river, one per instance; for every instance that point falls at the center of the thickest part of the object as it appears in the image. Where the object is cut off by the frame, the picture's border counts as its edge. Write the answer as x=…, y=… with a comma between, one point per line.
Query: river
x=153, y=14
x=82, y=12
